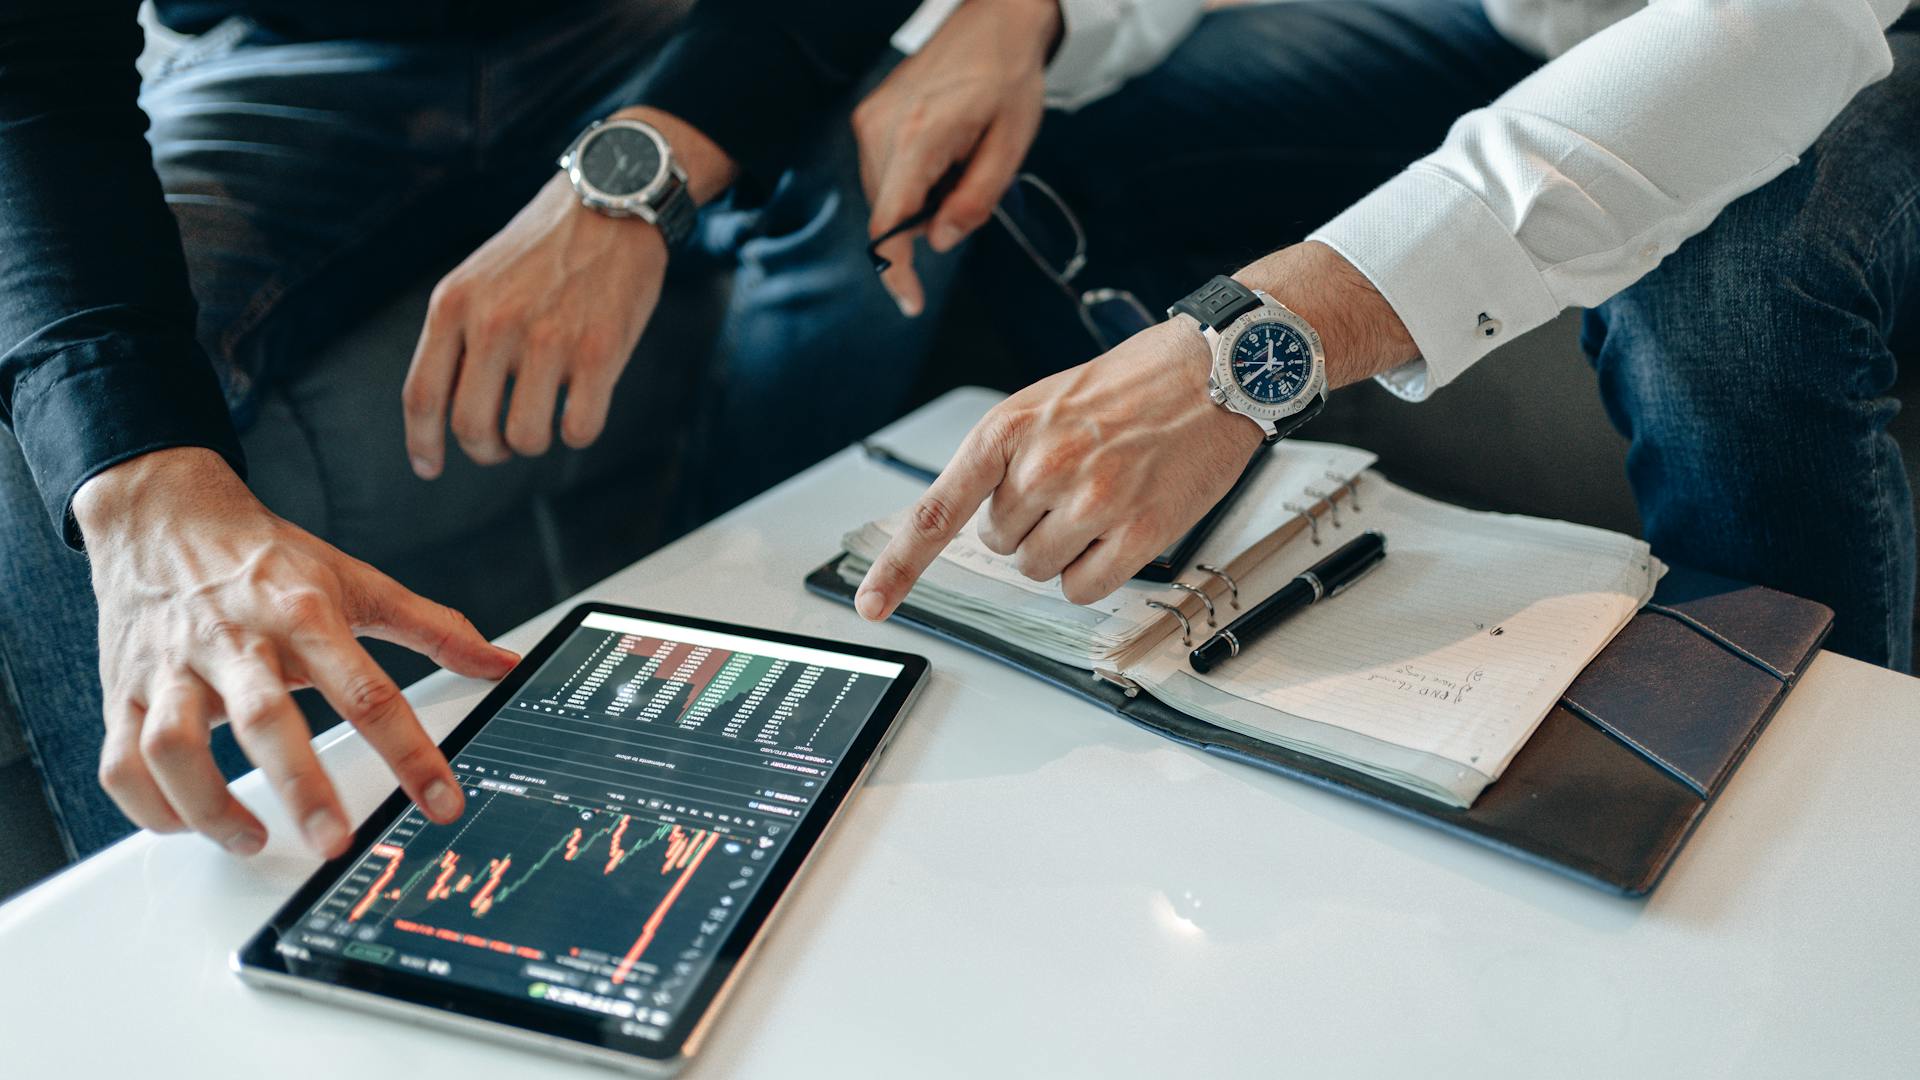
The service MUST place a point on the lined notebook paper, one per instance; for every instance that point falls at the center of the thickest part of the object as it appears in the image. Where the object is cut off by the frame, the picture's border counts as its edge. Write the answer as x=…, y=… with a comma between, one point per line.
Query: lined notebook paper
x=1435, y=668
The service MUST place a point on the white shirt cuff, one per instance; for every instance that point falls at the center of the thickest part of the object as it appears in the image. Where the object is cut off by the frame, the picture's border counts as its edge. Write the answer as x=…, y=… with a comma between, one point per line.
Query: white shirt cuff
x=1448, y=266
x=1078, y=74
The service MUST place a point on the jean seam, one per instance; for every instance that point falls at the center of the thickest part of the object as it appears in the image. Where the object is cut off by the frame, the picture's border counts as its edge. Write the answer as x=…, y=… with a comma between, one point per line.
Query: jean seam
x=1882, y=506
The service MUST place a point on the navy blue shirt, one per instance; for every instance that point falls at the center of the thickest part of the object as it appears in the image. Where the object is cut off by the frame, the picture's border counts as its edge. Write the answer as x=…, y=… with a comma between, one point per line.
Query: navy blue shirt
x=98, y=358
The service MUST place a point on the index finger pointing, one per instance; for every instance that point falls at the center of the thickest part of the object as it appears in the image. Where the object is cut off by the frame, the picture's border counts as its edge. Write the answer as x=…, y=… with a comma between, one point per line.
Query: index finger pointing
x=368, y=699
x=948, y=505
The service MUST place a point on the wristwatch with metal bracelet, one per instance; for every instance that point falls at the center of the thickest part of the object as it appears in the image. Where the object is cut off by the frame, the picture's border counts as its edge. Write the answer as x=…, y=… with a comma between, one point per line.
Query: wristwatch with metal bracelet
x=624, y=168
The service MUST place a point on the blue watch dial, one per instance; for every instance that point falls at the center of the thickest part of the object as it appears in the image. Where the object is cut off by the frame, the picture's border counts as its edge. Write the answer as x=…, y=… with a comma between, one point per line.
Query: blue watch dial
x=1272, y=362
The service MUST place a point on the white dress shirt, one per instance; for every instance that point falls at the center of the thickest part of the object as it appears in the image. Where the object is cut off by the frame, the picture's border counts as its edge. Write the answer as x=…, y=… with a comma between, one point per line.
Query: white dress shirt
x=1647, y=121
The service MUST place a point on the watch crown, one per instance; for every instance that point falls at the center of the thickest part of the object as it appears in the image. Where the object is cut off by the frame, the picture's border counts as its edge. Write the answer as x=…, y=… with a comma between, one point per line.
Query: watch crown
x=1218, y=394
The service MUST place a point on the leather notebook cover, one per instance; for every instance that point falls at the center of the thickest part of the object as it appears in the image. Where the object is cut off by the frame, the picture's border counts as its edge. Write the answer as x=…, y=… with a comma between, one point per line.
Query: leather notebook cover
x=1616, y=777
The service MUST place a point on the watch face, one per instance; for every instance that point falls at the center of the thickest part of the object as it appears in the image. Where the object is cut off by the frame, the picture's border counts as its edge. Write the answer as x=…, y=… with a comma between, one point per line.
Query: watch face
x=1272, y=362
x=619, y=160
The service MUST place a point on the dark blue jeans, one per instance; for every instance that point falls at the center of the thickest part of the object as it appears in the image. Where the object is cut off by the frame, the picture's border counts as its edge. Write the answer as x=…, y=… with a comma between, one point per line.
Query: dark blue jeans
x=1752, y=371
x=314, y=181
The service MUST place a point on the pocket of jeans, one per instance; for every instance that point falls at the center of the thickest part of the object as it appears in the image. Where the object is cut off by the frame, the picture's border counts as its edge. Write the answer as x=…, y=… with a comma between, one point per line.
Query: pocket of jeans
x=168, y=53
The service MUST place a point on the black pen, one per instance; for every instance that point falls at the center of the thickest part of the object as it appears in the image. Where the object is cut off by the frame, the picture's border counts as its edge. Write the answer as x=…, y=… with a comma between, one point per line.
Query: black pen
x=1328, y=577
x=883, y=456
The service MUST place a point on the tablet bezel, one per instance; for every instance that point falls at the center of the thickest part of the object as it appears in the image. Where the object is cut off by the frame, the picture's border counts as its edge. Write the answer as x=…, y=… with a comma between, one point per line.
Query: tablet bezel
x=333, y=974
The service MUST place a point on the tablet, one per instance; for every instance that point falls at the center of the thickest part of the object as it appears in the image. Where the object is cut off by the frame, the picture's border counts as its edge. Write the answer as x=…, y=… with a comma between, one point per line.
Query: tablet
x=641, y=791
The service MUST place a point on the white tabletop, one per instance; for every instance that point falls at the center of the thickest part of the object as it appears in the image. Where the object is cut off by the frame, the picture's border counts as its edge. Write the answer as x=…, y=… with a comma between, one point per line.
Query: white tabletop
x=1030, y=886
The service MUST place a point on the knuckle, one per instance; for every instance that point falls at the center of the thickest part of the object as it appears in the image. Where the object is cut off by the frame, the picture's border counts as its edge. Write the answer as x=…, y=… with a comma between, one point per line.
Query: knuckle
x=120, y=767
x=594, y=346
x=166, y=739
x=306, y=610
x=1033, y=564
x=447, y=301
x=499, y=320
x=222, y=633
x=474, y=430
x=370, y=699
x=932, y=516
x=418, y=398
x=540, y=338
x=968, y=211
x=302, y=787
x=528, y=439
x=994, y=539
x=1084, y=591
x=253, y=709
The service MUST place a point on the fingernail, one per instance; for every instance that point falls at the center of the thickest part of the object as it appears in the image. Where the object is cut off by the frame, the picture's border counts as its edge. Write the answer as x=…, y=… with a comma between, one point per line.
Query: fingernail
x=870, y=605
x=942, y=237
x=325, y=832
x=424, y=469
x=245, y=842
x=909, y=306
x=443, y=800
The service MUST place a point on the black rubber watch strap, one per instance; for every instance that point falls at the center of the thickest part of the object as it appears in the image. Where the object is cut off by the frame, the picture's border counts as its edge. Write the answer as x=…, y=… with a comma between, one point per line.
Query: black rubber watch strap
x=1216, y=303
x=1287, y=425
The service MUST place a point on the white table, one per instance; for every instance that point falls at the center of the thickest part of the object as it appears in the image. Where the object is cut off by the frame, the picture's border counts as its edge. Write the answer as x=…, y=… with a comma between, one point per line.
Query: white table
x=1030, y=886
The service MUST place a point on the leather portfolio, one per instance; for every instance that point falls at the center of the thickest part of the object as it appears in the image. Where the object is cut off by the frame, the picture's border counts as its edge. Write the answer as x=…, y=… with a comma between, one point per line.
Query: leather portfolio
x=1615, y=778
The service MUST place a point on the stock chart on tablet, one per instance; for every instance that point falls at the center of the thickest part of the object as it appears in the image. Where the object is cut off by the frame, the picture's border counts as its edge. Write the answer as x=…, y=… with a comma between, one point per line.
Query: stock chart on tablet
x=622, y=809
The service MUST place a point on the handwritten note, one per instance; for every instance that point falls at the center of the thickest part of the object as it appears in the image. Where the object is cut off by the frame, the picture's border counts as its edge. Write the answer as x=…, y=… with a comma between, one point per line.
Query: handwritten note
x=1455, y=647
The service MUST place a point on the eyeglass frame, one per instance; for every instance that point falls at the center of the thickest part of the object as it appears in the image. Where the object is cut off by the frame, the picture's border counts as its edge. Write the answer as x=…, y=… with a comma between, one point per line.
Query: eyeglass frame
x=1084, y=301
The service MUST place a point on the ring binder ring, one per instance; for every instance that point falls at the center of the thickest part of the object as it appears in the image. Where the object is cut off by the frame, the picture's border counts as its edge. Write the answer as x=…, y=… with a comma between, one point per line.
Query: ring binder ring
x=1212, y=620
x=1352, y=484
x=1333, y=508
x=1313, y=519
x=1186, y=626
x=1233, y=587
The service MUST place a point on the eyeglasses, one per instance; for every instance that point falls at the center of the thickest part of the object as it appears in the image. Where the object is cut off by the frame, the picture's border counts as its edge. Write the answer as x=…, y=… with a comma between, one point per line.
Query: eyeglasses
x=1048, y=232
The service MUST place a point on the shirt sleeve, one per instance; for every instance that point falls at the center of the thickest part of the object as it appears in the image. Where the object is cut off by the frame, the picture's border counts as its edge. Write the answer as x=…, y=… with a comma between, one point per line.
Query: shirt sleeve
x=1580, y=179
x=98, y=359
x=1103, y=43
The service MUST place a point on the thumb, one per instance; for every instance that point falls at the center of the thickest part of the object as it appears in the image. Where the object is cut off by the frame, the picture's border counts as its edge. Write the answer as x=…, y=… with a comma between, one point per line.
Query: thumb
x=388, y=612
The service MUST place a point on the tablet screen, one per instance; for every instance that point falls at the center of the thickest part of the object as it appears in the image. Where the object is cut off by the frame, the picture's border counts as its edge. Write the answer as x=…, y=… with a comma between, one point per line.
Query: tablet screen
x=623, y=808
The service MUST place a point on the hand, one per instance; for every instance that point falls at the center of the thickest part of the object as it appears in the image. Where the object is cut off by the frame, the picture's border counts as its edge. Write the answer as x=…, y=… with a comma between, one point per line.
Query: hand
x=1090, y=471
x=212, y=608
x=972, y=96
x=1094, y=470
x=556, y=299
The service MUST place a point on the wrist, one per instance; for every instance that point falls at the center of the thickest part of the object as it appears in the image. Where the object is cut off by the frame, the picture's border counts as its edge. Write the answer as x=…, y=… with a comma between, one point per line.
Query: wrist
x=1045, y=21
x=1359, y=330
x=121, y=500
x=709, y=170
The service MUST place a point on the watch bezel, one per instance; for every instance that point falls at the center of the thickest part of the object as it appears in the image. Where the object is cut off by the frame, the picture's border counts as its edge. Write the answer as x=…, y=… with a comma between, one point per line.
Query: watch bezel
x=641, y=203
x=1228, y=388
